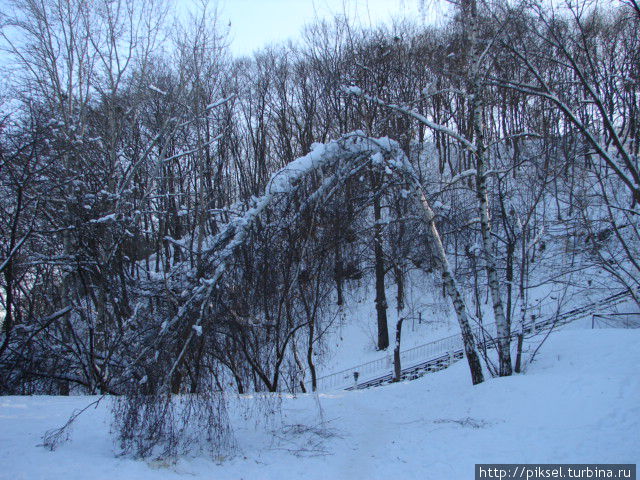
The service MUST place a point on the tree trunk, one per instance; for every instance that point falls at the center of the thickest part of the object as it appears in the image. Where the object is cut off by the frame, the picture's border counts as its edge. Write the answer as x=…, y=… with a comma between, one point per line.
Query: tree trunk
x=299, y=364
x=312, y=367
x=477, y=110
x=518, y=367
x=381, y=298
x=338, y=274
x=454, y=294
x=397, y=367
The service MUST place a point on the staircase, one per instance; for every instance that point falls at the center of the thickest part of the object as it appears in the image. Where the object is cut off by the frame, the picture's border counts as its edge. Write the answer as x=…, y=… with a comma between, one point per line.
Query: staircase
x=440, y=354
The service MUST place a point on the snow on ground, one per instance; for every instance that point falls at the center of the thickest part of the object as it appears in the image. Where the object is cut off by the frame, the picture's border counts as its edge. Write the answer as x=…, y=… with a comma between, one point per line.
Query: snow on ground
x=577, y=403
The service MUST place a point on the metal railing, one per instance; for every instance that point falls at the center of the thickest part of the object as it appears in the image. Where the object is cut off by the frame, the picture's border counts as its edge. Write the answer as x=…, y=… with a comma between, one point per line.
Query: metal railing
x=441, y=353
x=615, y=320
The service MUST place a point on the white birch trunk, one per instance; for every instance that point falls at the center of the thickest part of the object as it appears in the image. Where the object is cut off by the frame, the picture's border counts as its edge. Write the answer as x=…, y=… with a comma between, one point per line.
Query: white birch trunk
x=453, y=292
x=476, y=94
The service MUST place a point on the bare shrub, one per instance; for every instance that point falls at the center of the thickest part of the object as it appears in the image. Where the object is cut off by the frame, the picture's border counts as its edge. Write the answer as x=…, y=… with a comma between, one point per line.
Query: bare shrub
x=166, y=425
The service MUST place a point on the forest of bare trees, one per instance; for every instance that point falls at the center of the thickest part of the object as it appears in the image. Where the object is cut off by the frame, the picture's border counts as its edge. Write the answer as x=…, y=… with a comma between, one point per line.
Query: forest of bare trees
x=177, y=220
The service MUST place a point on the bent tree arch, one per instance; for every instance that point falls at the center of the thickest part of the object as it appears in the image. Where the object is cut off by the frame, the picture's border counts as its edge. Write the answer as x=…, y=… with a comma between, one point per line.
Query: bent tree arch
x=343, y=158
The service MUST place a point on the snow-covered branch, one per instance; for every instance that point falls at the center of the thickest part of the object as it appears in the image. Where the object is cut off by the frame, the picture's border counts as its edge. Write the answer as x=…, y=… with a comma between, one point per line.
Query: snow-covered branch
x=357, y=91
x=353, y=146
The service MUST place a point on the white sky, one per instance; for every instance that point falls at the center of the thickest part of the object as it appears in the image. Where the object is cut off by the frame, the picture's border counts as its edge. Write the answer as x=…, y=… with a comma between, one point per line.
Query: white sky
x=257, y=23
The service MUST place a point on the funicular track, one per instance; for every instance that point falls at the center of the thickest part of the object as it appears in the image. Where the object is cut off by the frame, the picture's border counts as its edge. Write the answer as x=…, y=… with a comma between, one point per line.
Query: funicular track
x=440, y=354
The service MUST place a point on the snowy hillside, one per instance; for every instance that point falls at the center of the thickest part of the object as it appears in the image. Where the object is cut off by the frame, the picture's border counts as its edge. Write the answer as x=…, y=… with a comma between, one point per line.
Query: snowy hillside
x=202, y=255
x=578, y=402
x=352, y=339
x=350, y=343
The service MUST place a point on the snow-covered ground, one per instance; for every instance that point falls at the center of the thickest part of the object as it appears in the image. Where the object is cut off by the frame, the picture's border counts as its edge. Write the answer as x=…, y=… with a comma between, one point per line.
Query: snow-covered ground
x=577, y=403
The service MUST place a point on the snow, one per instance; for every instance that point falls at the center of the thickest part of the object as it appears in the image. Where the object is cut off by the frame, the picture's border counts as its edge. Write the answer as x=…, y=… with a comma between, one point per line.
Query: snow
x=465, y=174
x=219, y=102
x=578, y=402
x=377, y=159
x=157, y=90
x=352, y=89
x=107, y=218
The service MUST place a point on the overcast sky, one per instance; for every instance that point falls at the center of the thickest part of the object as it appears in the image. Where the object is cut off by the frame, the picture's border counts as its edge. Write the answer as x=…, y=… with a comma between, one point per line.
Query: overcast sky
x=256, y=23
